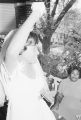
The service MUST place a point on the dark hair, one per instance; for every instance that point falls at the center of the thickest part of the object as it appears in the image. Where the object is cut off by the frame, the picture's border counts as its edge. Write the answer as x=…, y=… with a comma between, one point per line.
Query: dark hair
x=72, y=68
x=34, y=36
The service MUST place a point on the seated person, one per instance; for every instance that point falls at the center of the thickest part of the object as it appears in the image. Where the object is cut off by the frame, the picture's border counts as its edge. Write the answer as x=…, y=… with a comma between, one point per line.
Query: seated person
x=49, y=94
x=53, y=82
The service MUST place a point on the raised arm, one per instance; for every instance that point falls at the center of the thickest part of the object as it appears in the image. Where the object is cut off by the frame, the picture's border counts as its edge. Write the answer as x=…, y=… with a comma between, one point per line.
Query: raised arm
x=20, y=37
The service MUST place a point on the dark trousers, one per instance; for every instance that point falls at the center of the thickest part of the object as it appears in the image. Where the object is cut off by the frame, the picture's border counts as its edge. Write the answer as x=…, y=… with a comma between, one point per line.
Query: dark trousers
x=3, y=111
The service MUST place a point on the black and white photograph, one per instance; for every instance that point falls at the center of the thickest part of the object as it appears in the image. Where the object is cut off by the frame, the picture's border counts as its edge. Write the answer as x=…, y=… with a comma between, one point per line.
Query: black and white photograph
x=40, y=59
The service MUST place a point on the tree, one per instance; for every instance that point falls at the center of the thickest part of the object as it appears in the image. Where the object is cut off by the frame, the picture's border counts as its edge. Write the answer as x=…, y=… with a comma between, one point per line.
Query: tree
x=52, y=23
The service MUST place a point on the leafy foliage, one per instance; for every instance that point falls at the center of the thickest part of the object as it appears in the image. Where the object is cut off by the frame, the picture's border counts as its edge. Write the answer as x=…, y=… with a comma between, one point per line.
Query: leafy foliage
x=69, y=31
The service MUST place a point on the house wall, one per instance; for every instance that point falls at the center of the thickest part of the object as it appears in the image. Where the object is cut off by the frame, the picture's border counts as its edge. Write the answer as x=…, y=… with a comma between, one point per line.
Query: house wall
x=7, y=17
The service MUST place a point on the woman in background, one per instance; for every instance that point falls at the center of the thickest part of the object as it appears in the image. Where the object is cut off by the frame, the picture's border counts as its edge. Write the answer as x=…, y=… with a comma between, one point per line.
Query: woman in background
x=22, y=75
x=68, y=97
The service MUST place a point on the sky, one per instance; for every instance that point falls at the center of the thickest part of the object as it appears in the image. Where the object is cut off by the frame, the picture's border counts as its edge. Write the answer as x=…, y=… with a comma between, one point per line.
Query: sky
x=77, y=5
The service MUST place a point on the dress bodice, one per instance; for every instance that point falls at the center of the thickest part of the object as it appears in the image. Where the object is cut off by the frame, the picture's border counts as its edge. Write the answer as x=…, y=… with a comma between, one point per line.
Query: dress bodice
x=18, y=81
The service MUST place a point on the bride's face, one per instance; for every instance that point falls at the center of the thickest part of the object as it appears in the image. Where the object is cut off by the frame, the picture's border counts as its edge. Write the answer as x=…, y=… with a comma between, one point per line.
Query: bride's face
x=30, y=52
x=30, y=41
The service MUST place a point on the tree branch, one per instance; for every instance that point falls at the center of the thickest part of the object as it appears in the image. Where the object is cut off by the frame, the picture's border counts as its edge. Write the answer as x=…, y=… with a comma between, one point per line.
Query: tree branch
x=41, y=40
x=54, y=9
x=47, y=4
x=64, y=11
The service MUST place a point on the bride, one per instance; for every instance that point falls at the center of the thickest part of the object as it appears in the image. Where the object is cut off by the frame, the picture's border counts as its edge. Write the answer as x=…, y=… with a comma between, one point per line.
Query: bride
x=22, y=75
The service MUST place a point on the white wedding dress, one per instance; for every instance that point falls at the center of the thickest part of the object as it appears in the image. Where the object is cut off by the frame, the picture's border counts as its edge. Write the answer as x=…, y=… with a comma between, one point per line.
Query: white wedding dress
x=23, y=93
